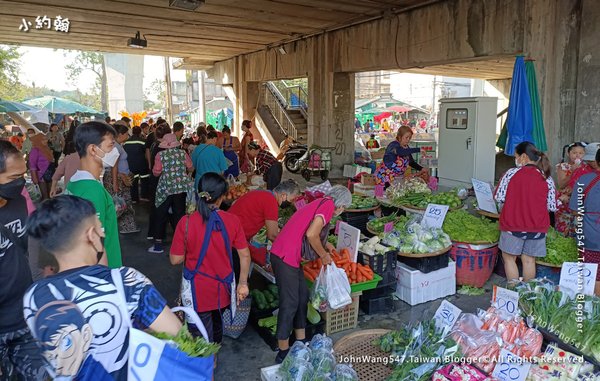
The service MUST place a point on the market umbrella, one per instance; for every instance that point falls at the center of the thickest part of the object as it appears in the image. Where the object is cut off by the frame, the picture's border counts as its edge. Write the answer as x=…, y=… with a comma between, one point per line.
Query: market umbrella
x=383, y=115
x=520, y=118
x=10, y=106
x=400, y=109
x=57, y=105
x=539, y=135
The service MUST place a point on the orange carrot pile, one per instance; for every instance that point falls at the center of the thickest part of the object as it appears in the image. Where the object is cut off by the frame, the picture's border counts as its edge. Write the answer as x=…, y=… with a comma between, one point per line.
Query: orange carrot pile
x=356, y=272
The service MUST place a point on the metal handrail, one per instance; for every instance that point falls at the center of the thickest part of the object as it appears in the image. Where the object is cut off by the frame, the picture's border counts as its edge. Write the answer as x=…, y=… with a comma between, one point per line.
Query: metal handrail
x=300, y=93
x=278, y=110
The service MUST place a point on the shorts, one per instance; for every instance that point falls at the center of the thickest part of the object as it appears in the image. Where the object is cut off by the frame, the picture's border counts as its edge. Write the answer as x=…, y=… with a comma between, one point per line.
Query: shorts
x=509, y=244
x=590, y=256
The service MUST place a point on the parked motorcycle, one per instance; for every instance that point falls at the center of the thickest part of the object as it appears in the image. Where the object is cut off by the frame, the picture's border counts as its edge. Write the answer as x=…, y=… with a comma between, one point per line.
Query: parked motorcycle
x=293, y=155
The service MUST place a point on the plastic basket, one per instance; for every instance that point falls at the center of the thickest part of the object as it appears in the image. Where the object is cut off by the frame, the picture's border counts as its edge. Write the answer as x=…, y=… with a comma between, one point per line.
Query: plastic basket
x=379, y=263
x=474, y=263
x=426, y=265
x=342, y=318
x=381, y=304
x=358, y=220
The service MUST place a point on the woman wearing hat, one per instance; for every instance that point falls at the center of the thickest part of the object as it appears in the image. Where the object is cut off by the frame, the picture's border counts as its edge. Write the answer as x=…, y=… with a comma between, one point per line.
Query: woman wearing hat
x=173, y=165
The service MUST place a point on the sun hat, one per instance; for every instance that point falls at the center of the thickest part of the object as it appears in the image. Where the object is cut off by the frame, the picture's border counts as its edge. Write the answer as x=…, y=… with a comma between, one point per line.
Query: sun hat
x=590, y=151
x=169, y=141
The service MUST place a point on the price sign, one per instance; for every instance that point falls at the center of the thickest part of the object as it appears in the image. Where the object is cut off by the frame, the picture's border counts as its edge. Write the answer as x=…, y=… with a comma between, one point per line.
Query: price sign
x=389, y=227
x=579, y=277
x=446, y=315
x=300, y=204
x=505, y=300
x=379, y=191
x=434, y=215
x=348, y=237
x=485, y=196
x=511, y=367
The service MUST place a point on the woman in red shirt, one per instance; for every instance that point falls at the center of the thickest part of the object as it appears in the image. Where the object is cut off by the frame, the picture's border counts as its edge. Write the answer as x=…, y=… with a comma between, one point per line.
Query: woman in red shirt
x=528, y=193
x=208, y=269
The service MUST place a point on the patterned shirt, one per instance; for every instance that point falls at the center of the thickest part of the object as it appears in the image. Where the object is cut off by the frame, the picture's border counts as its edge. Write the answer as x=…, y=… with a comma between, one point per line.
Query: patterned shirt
x=264, y=161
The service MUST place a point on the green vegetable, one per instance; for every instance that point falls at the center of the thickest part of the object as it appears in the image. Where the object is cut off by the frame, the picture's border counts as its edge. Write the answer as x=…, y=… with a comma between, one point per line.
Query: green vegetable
x=462, y=226
x=269, y=322
x=560, y=249
x=192, y=346
x=362, y=202
x=312, y=315
x=378, y=225
x=470, y=290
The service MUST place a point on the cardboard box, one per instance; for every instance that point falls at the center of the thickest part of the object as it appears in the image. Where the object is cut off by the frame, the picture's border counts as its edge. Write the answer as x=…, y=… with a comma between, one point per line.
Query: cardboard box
x=368, y=180
x=415, y=287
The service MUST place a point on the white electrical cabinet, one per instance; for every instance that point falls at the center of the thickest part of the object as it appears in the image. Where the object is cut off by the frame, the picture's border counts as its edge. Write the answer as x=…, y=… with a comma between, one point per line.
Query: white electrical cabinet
x=467, y=138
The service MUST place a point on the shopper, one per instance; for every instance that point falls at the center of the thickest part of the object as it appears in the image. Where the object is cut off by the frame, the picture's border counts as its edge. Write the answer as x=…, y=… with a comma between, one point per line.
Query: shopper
x=118, y=180
x=245, y=166
x=161, y=130
x=208, y=158
x=266, y=165
x=135, y=149
x=66, y=168
x=56, y=141
x=231, y=146
x=41, y=164
x=528, y=193
x=397, y=158
x=204, y=241
x=17, y=346
x=178, y=129
x=286, y=254
x=172, y=166
x=93, y=338
x=563, y=217
x=585, y=202
x=372, y=143
x=95, y=142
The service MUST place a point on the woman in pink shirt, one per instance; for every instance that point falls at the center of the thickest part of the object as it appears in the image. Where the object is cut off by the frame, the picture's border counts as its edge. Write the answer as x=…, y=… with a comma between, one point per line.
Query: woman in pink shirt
x=311, y=222
x=41, y=163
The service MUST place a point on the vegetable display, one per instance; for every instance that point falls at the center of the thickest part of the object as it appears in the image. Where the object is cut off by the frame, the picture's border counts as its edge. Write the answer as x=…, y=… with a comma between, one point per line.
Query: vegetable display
x=373, y=247
x=362, y=202
x=285, y=214
x=420, y=200
x=265, y=299
x=560, y=249
x=261, y=237
x=462, y=226
x=192, y=346
x=356, y=272
x=236, y=191
x=400, y=190
x=470, y=290
x=377, y=225
x=417, y=239
x=270, y=323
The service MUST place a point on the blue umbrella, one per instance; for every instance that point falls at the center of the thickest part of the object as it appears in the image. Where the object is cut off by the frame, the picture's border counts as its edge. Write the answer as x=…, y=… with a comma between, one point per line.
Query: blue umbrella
x=520, y=117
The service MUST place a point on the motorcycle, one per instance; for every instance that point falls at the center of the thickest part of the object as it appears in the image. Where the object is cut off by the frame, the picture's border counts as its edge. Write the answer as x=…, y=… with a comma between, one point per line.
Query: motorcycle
x=293, y=155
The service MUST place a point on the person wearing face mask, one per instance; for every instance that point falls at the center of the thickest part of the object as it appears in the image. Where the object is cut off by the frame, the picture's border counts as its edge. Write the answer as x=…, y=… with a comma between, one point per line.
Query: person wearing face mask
x=528, y=194
x=95, y=143
x=311, y=221
x=260, y=208
x=17, y=346
x=94, y=290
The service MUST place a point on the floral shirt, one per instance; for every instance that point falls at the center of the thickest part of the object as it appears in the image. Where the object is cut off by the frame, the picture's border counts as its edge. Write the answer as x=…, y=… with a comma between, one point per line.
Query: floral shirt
x=172, y=165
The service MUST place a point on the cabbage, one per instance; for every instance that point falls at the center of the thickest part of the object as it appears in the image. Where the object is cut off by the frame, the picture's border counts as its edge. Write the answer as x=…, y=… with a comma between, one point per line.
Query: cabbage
x=434, y=245
x=406, y=248
x=425, y=235
x=420, y=248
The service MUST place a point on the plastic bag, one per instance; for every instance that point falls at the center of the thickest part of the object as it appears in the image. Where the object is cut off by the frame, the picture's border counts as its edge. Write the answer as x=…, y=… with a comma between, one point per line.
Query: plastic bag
x=344, y=372
x=322, y=361
x=478, y=345
x=120, y=205
x=300, y=370
x=318, y=297
x=321, y=342
x=298, y=351
x=338, y=287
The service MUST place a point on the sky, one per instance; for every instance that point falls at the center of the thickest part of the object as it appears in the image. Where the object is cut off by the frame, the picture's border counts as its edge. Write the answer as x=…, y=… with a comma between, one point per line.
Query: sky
x=45, y=67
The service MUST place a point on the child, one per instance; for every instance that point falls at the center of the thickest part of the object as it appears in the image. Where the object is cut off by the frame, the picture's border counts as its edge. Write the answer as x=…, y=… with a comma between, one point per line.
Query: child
x=528, y=193
x=563, y=217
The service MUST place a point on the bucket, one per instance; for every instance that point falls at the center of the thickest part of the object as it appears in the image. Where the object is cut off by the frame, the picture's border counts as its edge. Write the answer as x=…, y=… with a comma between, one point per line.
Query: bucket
x=474, y=263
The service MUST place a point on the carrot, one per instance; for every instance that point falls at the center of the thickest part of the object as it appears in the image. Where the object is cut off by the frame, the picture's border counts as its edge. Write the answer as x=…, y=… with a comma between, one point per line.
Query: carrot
x=345, y=252
x=360, y=278
x=334, y=253
x=353, y=268
x=309, y=276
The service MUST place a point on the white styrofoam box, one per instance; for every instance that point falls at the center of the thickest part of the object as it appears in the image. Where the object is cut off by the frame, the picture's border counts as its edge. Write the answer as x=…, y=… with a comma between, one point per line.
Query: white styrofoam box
x=415, y=287
x=270, y=373
x=364, y=190
x=353, y=170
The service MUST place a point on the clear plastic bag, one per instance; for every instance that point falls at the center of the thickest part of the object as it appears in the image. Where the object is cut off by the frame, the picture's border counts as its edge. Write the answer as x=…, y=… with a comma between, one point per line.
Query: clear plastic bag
x=338, y=287
x=299, y=351
x=478, y=345
x=300, y=370
x=322, y=361
x=344, y=372
x=318, y=297
x=321, y=342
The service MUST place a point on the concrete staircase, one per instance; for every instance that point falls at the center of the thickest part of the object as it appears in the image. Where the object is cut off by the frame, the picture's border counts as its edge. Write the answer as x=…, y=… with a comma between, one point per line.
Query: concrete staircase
x=301, y=124
x=278, y=118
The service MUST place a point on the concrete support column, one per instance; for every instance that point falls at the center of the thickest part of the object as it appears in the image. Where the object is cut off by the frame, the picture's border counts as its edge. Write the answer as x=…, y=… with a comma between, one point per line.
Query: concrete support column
x=331, y=107
x=125, y=75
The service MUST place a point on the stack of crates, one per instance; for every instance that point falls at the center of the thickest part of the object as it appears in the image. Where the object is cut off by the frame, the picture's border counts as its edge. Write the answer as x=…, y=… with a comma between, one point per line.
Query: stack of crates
x=381, y=298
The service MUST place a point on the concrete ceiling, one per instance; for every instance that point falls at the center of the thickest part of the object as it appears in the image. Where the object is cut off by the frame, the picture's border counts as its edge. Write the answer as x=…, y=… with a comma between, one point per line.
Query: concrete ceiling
x=218, y=30
x=498, y=68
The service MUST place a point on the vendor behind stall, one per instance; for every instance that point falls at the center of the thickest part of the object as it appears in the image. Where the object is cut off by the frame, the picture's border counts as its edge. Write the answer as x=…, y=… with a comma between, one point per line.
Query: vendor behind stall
x=311, y=221
x=398, y=157
x=267, y=165
x=260, y=208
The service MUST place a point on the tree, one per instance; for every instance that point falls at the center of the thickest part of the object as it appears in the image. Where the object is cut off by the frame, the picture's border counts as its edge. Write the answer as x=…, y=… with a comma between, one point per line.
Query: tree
x=154, y=95
x=94, y=62
x=10, y=87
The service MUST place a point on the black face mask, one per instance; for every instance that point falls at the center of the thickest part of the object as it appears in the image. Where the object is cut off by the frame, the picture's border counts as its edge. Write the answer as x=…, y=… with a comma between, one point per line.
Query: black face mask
x=285, y=204
x=12, y=189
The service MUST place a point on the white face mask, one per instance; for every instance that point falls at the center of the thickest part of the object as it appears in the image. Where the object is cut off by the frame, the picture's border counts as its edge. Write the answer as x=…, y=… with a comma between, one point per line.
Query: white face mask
x=517, y=164
x=110, y=158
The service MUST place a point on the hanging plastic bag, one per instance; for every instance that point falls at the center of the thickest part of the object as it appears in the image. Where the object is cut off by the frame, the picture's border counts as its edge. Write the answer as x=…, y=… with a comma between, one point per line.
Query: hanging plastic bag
x=338, y=287
x=318, y=298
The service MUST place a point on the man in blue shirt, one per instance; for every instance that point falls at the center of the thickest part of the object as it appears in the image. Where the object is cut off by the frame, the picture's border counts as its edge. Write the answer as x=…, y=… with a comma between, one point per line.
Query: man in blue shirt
x=207, y=157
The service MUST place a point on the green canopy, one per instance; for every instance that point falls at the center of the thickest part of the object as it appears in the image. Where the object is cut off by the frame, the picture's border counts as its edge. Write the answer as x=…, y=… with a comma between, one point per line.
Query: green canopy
x=10, y=106
x=57, y=105
x=539, y=135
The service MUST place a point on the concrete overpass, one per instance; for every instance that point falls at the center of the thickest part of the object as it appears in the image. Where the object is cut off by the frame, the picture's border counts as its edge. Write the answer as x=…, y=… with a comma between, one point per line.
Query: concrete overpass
x=239, y=42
